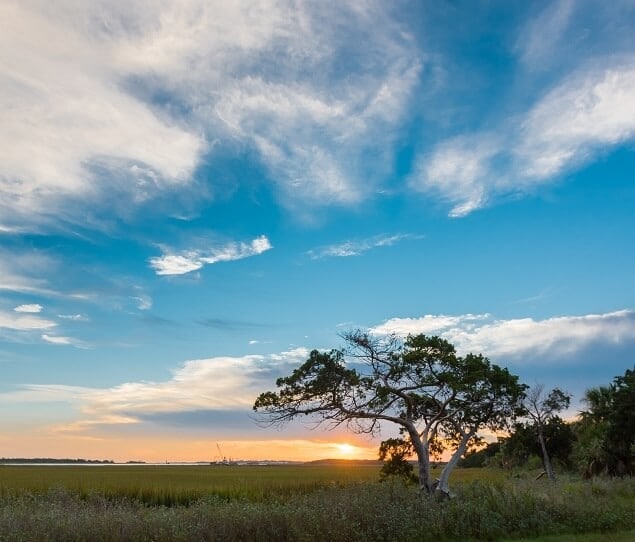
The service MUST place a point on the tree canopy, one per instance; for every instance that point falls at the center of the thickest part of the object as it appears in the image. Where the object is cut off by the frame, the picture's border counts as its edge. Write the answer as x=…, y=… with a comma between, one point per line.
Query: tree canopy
x=419, y=384
x=606, y=430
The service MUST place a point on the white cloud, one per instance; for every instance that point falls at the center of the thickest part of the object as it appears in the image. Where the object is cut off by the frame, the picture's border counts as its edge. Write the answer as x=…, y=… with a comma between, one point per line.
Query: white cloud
x=31, y=308
x=429, y=324
x=459, y=170
x=191, y=260
x=53, y=339
x=144, y=302
x=17, y=270
x=68, y=114
x=20, y=322
x=61, y=340
x=555, y=337
x=538, y=43
x=356, y=248
x=126, y=97
x=73, y=317
x=588, y=112
x=203, y=384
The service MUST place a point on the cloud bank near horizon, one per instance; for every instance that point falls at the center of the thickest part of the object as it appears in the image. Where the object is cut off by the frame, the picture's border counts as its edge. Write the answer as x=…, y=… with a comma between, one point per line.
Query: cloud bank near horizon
x=213, y=384
x=560, y=337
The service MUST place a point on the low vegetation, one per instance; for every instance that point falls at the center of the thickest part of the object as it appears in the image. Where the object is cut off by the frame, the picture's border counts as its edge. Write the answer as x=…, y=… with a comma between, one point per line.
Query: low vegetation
x=298, y=503
x=165, y=485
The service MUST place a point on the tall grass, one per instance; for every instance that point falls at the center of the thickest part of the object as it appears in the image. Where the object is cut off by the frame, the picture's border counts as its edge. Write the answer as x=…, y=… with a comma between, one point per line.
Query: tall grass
x=180, y=485
x=354, y=511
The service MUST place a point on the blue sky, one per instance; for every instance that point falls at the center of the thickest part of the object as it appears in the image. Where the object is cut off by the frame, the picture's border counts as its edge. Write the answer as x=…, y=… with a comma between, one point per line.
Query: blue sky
x=194, y=194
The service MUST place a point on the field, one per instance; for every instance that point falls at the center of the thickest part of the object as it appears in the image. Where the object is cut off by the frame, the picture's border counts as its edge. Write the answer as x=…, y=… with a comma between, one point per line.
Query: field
x=339, y=503
x=171, y=485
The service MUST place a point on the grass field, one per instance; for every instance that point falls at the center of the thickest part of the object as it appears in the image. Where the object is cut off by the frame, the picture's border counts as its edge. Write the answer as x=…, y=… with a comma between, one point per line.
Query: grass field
x=625, y=536
x=301, y=503
x=169, y=485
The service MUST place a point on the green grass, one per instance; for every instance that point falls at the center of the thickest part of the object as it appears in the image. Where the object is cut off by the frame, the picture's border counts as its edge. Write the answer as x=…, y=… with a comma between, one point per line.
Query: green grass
x=169, y=485
x=305, y=504
x=625, y=536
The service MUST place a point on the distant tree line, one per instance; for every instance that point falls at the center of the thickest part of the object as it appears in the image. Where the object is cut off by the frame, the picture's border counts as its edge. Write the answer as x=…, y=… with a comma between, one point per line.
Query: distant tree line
x=29, y=460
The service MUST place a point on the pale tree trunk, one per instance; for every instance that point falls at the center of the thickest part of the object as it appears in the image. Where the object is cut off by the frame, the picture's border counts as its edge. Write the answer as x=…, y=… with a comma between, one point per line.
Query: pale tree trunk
x=420, y=444
x=443, y=487
x=545, y=458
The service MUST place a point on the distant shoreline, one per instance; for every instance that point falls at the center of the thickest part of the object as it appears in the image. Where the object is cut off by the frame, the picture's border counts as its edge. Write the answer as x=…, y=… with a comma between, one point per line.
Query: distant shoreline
x=51, y=460
x=47, y=461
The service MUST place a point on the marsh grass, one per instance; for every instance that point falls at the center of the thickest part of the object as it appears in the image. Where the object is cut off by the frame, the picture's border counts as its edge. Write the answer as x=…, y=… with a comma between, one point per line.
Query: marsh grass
x=180, y=485
x=327, y=509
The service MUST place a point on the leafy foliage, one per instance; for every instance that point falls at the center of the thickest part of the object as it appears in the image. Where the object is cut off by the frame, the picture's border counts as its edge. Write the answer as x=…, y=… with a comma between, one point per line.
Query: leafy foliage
x=420, y=384
x=395, y=453
x=481, y=457
x=523, y=443
x=607, y=428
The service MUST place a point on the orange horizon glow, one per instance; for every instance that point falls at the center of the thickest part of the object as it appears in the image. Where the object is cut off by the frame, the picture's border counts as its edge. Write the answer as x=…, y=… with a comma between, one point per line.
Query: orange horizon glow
x=160, y=450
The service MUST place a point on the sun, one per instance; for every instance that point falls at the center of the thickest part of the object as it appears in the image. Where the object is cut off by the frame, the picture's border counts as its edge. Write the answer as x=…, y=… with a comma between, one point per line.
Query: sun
x=346, y=449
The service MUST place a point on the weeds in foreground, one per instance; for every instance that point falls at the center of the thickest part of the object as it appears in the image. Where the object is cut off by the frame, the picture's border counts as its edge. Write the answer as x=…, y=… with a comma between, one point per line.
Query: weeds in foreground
x=358, y=511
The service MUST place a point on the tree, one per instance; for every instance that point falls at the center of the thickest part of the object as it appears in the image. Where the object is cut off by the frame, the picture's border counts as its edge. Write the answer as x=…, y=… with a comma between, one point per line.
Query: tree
x=541, y=409
x=523, y=443
x=606, y=430
x=419, y=384
x=481, y=457
x=394, y=452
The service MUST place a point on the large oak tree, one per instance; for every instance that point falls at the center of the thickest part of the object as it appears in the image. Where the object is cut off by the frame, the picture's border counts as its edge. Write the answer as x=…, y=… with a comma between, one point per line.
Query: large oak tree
x=420, y=384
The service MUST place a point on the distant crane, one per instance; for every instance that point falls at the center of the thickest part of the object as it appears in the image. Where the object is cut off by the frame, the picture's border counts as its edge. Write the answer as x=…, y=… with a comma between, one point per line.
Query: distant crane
x=221, y=457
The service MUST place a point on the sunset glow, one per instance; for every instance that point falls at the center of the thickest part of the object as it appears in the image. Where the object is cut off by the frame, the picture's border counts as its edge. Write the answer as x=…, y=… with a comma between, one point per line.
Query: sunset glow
x=346, y=449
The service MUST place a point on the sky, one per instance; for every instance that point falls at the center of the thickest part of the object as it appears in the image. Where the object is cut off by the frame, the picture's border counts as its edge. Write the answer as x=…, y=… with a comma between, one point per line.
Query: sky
x=196, y=193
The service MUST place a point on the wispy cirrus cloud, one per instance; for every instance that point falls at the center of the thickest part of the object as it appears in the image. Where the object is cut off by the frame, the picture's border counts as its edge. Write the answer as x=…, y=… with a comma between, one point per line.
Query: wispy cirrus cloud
x=544, y=33
x=193, y=75
x=186, y=261
x=590, y=111
x=558, y=336
x=358, y=247
x=63, y=341
x=459, y=170
x=20, y=272
x=74, y=317
x=69, y=119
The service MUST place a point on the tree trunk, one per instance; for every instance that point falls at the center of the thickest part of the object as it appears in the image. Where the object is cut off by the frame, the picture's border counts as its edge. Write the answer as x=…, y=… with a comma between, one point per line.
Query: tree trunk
x=443, y=487
x=420, y=444
x=545, y=458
